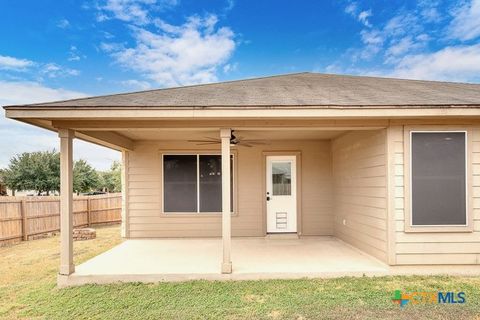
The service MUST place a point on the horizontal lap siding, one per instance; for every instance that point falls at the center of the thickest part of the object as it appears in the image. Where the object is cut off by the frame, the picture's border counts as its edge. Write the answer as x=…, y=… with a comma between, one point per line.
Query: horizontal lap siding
x=145, y=194
x=360, y=191
x=438, y=247
x=316, y=197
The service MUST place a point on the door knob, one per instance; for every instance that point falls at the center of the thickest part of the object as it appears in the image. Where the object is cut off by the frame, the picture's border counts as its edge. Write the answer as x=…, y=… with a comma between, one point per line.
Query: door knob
x=268, y=198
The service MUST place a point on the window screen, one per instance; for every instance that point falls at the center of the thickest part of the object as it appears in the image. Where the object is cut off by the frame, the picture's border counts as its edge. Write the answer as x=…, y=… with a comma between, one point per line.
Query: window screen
x=211, y=183
x=438, y=177
x=180, y=183
x=181, y=174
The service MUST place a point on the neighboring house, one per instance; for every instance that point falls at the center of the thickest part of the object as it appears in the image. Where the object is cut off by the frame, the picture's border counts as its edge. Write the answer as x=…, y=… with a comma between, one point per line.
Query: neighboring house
x=390, y=166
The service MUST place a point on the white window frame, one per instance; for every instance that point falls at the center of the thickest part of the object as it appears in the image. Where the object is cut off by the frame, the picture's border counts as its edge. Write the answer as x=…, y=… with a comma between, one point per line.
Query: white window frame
x=409, y=226
x=197, y=154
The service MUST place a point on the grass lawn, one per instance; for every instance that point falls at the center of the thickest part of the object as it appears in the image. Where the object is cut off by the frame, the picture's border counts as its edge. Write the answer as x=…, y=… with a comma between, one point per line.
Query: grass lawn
x=28, y=274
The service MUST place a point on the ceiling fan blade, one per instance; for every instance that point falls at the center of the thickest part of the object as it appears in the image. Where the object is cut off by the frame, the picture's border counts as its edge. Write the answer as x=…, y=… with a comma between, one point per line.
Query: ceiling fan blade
x=254, y=142
x=204, y=141
x=243, y=144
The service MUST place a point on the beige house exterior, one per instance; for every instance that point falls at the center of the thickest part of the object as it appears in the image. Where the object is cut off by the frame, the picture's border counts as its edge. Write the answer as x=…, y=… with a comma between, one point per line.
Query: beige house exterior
x=346, y=141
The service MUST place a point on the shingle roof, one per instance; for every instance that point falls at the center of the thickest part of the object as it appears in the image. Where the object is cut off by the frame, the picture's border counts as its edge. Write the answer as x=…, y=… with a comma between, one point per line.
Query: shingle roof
x=301, y=89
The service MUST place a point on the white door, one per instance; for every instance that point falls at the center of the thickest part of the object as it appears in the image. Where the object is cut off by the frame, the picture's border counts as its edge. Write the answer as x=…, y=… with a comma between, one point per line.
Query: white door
x=281, y=194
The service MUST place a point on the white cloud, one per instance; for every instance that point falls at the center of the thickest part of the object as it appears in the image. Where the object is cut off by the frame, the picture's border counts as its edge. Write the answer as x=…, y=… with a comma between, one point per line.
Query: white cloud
x=429, y=10
x=17, y=137
x=73, y=57
x=456, y=63
x=110, y=46
x=373, y=40
x=53, y=70
x=403, y=46
x=177, y=55
x=402, y=24
x=128, y=10
x=363, y=17
x=466, y=22
x=373, y=37
x=74, y=54
x=400, y=47
x=36, y=70
x=63, y=24
x=413, y=44
x=107, y=35
x=22, y=92
x=229, y=6
x=352, y=9
x=15, y=64
x=134, y=84
x=134, y=11
x=230, y=67
x=423, y=37
x=404, y=33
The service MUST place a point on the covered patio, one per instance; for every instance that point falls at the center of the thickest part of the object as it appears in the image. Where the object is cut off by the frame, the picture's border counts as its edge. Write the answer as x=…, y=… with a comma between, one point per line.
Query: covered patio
x=340, y=210
x=153, y=260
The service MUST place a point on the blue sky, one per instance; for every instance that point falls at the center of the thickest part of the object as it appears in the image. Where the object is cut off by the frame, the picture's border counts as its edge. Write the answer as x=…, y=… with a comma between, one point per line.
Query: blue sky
x=52, y=50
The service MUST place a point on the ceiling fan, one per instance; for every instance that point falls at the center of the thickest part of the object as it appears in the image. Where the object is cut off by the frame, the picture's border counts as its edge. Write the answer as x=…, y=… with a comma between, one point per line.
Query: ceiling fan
x=234, y=140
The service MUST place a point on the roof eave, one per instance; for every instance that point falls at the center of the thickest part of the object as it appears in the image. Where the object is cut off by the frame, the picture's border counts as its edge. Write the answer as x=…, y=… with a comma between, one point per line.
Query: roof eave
x=285, y=112
x=236, y=107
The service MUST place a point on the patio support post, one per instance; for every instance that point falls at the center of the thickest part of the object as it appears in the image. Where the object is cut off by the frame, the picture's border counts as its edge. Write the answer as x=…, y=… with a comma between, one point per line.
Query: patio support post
x=225, y=135
x=66, y=201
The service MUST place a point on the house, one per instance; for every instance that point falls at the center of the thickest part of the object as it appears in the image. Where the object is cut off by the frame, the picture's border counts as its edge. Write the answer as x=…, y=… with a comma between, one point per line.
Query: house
x=389, y=167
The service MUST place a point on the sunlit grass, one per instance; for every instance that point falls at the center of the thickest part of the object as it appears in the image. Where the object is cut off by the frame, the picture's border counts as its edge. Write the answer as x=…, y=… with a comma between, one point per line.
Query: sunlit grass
x=28, y=275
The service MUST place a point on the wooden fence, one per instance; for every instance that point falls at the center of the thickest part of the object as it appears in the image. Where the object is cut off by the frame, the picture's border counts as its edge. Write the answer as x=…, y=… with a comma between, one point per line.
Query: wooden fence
x=24, y=218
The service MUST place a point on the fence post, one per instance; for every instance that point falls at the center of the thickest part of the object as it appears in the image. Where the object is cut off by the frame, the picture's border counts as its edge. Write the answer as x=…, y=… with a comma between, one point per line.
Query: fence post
x=23, y=212
x=89, y=212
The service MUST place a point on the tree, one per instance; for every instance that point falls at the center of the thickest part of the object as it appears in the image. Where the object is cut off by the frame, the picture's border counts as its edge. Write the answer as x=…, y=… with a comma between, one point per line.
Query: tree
x=39, y=171
x=3, y=191
x=111, y=180
x=85, y=178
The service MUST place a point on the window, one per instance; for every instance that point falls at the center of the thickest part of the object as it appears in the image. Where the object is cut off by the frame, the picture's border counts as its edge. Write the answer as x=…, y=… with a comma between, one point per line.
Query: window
x=193, y=183
x=438, y=192
x=281, y=178
x=180, y=183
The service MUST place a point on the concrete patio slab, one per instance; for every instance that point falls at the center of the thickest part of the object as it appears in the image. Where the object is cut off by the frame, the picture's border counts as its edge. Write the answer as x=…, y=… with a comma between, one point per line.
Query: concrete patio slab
x=156, y=260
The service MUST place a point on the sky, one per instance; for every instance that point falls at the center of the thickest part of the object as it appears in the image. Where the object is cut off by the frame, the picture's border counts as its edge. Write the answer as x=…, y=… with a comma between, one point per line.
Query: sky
x=53, y=50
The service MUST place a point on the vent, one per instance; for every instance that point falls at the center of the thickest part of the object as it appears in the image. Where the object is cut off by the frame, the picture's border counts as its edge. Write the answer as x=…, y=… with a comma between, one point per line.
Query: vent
x=281, y=220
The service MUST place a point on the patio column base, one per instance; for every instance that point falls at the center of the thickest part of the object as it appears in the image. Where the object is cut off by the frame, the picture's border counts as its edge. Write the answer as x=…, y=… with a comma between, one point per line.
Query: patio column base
x=67, y=269
x=227, y=267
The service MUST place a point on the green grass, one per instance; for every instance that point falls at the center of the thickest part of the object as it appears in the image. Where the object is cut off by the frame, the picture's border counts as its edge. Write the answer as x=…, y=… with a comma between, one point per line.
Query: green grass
x=27, y=290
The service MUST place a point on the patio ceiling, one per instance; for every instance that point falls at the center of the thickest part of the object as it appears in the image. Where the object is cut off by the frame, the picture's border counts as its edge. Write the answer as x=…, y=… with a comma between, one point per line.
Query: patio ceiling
x=121, y=134
x=183, y=135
